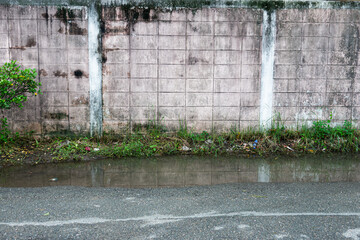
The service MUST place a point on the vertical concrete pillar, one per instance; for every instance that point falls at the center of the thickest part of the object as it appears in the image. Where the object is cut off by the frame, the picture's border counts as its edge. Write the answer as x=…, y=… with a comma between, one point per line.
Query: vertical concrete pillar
x=267, y=68
x=95, y=71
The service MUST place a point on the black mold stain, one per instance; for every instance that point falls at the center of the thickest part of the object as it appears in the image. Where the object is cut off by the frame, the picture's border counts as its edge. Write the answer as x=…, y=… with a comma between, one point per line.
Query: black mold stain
x=60, y=74
x=269, y=6
x=57, y=116
x=135, y=16
x=350, y=47
x=154, y=17
x=194, y=60
x=132, y=15
x=31, y=42
x=104, y=58
x=64, y=14
x=119, y=29
x=146, y=15
x=61, y=13
x=201, y=29
x=78, y=73
x=67, y=16
x=45, y=15
x=102, y=27
x=74, y=29
x=42, y=72
x=109, y=13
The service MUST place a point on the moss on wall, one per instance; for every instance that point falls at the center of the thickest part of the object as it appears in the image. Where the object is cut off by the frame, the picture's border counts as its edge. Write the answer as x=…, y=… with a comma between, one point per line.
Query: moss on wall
x=266, y=5
x=194, y=4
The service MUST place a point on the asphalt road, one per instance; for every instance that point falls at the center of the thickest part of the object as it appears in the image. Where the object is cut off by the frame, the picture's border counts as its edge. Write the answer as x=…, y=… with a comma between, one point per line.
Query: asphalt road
x=229, y=211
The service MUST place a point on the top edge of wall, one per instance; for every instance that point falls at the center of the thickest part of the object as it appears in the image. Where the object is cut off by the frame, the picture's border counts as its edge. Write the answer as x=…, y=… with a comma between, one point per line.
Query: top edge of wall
x=195, y=4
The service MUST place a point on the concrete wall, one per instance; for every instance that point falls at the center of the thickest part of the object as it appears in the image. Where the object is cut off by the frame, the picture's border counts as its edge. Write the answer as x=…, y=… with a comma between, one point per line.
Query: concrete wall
x=203, y=66
x=316, y=65
x=57, y=46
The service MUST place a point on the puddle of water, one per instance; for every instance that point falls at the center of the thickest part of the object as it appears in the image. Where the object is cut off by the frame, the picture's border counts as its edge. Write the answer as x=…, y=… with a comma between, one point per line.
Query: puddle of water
x=182, y=171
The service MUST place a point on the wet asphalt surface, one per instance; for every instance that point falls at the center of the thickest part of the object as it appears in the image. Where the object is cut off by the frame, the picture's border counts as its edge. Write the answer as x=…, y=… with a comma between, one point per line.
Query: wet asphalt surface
x=228, y=211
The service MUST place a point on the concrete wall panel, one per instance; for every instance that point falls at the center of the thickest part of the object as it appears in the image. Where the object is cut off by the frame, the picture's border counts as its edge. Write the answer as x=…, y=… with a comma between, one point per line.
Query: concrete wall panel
x=201, y=66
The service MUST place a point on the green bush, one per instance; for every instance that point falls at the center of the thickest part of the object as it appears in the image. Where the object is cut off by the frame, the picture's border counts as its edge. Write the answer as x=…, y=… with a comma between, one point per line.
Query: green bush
x=4, y=131
x=16, y=85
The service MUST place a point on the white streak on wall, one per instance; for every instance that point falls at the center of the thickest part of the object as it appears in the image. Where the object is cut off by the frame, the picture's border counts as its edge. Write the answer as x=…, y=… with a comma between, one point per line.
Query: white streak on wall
x=95, y=73
x=267, y=68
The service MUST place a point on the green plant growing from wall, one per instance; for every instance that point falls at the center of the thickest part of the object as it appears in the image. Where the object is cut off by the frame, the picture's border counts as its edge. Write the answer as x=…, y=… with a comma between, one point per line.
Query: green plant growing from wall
x=16, y=85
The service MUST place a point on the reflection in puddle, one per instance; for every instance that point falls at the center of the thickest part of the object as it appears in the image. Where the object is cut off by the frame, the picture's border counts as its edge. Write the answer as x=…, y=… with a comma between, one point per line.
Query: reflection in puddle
x=264, y=172
x=184, y=171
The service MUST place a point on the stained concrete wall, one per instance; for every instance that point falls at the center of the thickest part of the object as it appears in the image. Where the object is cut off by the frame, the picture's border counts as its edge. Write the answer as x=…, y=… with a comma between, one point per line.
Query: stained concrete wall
x=316, y=65
x=56, y=45
x=202, y=66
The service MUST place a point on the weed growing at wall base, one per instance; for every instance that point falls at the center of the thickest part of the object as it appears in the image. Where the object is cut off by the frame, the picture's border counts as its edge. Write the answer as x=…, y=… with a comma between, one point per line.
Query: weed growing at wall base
x=153, y=140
